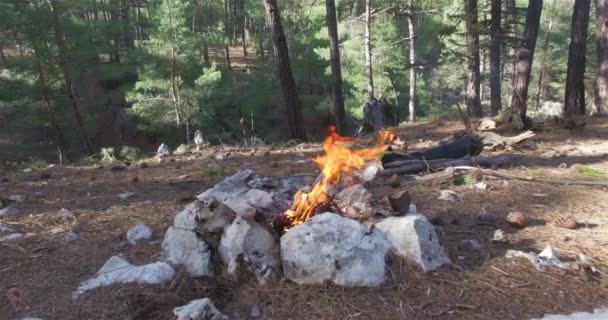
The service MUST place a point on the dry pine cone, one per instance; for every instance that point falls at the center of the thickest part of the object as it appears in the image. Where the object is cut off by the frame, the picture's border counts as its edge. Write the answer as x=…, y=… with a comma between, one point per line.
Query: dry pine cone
x=517, y=219
x=566, y=222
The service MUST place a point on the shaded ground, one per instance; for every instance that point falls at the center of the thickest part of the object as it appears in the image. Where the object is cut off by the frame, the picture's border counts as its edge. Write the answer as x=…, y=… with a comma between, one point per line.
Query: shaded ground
x=38, y=274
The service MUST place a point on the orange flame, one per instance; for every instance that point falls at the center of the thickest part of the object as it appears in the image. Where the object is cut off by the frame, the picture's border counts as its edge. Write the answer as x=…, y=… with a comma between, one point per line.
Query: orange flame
x=339, y=159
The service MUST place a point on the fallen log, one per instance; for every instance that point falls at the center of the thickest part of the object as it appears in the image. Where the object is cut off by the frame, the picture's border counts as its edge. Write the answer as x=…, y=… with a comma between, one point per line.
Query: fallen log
x=503, y=160
x=468, y=145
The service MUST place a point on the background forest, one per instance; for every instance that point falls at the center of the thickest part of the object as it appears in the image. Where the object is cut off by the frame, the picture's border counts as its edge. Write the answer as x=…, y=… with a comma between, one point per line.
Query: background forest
x=80, y=75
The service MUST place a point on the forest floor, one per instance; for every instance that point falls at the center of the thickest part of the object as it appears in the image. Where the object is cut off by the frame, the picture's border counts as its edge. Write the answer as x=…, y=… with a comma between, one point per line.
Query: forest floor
x=39, y=273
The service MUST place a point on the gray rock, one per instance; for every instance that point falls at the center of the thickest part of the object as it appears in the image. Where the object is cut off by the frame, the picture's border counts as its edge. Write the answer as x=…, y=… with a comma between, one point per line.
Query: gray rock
x=480, y=185
x=201, y=309
x=139, y=232
x=355, y=202
x=27, y=170
x=207, y=217
x=65, y=213
x=235, y=193
x=10, y=211
x=499, y=236
x=6, y=229
x=369, y=173
x=255, y=312
x=181, y=149
x=259, y=198
x=125, y=195
x=19, y=198
x=449, y=195
x=200, y=140
x=414, y=238
x=163, y=151
x=183, y=247
x=250, y=242
x=550, y=155
x=471, y=244
x=119, y=270
x=70, y=236
x=329, y=247
x=11, y=237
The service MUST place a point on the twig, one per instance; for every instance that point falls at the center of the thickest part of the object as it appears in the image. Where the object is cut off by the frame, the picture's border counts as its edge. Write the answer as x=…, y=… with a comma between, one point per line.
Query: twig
x=574, y=182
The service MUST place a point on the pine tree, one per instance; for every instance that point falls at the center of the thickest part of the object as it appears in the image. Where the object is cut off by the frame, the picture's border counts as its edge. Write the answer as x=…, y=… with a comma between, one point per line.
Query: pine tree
x=525, y=55
x=291, y=99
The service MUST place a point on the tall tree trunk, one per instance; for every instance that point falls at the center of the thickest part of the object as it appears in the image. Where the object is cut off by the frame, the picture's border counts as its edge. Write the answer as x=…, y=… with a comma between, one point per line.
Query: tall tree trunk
x=175, y=90
x=242, y=22
x=542, y=74
x=3, y=57
x=368, y=49
x=227, y=32
x=337, y=108
x=495, y=41
x=67, y=75
x=206, y=58
x=411, y=23
x=574, y=101
x=472, y=99
x=601, y=77
x=127, y=36
x=283, y=67
x=525, y=55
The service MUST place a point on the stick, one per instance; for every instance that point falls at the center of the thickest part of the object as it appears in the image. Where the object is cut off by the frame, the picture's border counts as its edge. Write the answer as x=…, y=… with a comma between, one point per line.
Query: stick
x=573, y=182
x=436, y=165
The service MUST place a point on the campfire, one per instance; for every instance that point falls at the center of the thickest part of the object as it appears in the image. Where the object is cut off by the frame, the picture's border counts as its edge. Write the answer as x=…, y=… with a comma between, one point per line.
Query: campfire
x=340, y=160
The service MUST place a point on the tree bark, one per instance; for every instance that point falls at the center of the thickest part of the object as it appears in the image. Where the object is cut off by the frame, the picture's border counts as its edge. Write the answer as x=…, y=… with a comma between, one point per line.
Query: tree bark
x=67, y=75
x=3, y=57
x=525, y=55
x=574, y=100
x=283, y=68
x=411, y=23
x=368, y=49
x=495, y=41
x=601, y=77
x=227, y=32
x=472, y=99
x=242, y=21
x=542, y=74
x=337, y=108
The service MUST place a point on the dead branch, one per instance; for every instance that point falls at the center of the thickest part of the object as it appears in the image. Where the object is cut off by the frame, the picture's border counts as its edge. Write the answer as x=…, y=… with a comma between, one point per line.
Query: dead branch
x=576, y=182
x=415, y=166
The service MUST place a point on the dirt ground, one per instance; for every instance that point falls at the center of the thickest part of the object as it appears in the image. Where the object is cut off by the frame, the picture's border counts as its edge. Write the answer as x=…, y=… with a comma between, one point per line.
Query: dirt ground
x=39, y=273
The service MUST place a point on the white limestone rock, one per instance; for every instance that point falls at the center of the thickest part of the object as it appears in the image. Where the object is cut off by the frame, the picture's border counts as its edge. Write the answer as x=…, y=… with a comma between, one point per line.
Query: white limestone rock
x=184, y=247
x=414, y=238
x=163, y=151
x=329, y=247
x=201, y=309
x=119, y=270
x=139, y=232
x=208, y=217
x=355, y=202
x=10, y=211
x=247, y=241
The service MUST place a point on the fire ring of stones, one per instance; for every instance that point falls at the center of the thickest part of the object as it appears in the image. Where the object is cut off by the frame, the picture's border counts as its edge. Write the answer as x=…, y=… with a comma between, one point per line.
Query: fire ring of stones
x=233, y=225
